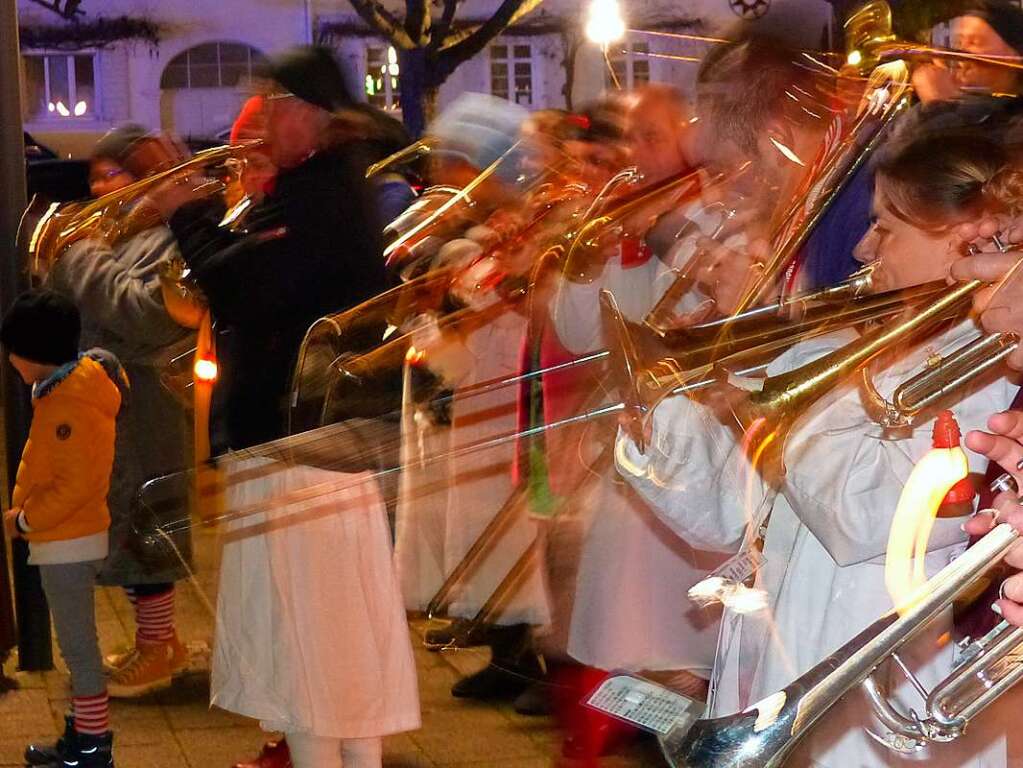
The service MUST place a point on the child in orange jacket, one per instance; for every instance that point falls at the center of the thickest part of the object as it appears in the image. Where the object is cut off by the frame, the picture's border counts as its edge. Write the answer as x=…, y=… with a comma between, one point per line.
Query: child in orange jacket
x=60, y=500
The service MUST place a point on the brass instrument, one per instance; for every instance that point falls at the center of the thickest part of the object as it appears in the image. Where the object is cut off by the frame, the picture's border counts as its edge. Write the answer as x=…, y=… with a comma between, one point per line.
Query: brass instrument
x=112, y=218
x=407, y=155
x=765, y=734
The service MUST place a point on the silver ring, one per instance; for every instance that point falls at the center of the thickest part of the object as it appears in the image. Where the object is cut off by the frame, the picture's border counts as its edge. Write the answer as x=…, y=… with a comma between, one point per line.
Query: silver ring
x=1004, y=482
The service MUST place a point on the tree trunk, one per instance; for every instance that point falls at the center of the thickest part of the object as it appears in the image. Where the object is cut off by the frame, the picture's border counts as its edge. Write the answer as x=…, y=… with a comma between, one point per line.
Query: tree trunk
x=415, y=91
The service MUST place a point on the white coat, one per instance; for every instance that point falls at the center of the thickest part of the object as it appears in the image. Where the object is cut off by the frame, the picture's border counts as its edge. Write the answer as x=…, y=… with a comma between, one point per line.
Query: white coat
x=444, y=506
x=311, y=634
x=628, y=611
x=824, y=549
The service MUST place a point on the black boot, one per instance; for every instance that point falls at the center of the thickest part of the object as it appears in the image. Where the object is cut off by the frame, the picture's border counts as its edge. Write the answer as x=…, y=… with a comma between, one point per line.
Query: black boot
x=514, y=665
x=45, y=755
x=84, y=751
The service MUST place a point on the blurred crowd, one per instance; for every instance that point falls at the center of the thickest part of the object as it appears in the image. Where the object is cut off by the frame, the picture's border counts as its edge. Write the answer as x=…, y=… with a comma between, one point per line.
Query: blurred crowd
x=559, y=382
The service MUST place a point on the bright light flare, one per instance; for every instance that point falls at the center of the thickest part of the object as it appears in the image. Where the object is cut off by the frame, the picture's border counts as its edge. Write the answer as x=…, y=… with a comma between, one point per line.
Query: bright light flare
x=62, y=110
x=80, y=108
x=931, y=479
x=605, y=24
x=855, y=58
x=205, y=369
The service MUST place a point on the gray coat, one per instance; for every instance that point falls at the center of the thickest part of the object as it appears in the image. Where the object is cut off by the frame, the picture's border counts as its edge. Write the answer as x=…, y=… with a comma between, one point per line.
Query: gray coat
x=118, y=293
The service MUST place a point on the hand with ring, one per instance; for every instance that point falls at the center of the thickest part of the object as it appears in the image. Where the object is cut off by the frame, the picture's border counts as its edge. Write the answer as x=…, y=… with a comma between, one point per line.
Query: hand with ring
x=992, y=243
x=1003, y=445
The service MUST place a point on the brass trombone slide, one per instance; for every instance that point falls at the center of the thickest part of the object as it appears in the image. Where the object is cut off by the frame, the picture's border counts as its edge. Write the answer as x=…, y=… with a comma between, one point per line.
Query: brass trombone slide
x=765, y=734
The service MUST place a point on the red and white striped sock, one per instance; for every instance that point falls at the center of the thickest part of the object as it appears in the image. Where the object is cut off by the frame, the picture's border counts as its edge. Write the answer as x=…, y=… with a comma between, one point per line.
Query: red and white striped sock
x=154, y=618
x=92, y=714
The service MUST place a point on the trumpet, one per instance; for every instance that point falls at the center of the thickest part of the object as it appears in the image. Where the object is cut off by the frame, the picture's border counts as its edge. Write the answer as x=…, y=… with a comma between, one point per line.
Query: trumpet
x=44, y=236
x=764, y=735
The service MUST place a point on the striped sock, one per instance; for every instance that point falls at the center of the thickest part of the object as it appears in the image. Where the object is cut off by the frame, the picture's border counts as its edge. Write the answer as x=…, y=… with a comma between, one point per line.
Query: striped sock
x=92, y=714
x=154, y=618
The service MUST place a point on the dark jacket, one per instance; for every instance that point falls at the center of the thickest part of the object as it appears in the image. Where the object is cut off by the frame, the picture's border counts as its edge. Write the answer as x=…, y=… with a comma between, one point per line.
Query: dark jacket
x=312, y=247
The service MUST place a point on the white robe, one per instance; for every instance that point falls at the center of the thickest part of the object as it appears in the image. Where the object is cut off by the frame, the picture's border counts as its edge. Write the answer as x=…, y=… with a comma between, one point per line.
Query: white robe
x=444, y=506
x=824, y=549
x=629, y=610
x=311, y=634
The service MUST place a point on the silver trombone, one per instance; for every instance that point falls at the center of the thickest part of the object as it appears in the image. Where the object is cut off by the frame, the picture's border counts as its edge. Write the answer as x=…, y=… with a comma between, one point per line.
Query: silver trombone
x=766, y=733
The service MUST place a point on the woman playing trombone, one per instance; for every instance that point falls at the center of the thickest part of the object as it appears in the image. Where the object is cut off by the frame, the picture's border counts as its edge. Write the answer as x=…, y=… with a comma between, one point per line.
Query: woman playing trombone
x=823, y=525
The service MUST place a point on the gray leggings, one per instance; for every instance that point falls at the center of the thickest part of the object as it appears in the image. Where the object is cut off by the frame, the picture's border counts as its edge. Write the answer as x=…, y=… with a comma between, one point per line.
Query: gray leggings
x=70, y=591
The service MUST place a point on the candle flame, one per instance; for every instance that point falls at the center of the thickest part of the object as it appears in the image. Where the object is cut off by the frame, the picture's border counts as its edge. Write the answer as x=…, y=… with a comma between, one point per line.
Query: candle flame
x=931, y=478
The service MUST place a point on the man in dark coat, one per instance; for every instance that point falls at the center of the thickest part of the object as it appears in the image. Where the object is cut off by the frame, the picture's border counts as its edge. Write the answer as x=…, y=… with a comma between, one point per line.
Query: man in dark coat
x=311, y=248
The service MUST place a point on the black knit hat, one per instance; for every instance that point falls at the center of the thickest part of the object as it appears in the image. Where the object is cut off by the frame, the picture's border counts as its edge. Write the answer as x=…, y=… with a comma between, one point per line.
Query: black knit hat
x=1003, y=17
x=117, y=143
x=312, y=74
x=42, y=326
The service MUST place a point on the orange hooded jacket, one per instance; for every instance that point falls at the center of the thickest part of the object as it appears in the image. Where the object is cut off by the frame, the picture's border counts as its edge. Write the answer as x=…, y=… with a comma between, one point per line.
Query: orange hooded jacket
x=64, y=475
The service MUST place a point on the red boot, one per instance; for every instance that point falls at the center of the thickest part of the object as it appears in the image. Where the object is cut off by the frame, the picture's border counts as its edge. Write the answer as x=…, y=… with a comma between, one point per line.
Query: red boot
x=275, y=754
x=589, y=734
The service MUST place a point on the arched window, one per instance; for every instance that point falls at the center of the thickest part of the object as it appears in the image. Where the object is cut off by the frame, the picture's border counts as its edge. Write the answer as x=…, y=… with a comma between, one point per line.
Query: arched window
x=211, y=65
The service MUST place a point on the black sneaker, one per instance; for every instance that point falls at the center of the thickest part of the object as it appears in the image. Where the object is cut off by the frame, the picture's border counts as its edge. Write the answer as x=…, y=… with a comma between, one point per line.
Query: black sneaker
x=47, y=755
x=84, y=751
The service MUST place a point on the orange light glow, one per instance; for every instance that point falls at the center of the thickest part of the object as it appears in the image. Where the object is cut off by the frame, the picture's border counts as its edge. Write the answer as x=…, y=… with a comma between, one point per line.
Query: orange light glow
x=205, y=369
x=931, y=478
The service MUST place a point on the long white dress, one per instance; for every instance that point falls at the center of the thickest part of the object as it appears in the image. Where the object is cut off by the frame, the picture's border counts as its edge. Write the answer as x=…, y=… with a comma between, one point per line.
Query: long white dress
x=444, y=506
x=311, y=635
x=824, y=549
x=629, y=610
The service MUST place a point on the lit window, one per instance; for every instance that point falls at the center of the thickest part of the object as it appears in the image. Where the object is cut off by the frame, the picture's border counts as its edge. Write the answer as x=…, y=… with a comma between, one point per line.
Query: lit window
x=511, y=72
x=630, y=63
x=211, y=65
x=383, y=81
x=61, y=86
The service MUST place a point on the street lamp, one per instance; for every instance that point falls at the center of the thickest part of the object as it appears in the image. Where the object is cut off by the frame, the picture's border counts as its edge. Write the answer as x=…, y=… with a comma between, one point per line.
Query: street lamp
x=604, y=24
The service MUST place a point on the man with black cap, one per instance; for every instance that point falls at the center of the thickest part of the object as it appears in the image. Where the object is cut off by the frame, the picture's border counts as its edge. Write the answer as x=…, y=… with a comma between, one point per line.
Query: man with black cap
x=984, y=27
x=311, y=632
x=312, y=248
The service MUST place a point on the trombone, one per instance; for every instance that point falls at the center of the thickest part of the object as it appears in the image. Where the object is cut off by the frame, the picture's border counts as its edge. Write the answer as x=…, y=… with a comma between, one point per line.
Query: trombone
x=764, y=735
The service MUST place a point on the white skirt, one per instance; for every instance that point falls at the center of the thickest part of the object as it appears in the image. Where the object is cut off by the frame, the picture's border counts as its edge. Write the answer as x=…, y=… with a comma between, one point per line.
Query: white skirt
x=311, y=635
x=631, y=606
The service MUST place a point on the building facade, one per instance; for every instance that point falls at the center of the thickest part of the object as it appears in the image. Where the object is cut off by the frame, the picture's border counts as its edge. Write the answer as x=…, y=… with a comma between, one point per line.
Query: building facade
x=183, y=65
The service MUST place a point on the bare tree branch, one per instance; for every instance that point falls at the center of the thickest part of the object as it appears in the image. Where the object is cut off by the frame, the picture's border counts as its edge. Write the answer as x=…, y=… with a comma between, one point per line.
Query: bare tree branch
x=379, y=18
x=69, y=10
x=467, y=43
x=417, y=21
x=441, y=29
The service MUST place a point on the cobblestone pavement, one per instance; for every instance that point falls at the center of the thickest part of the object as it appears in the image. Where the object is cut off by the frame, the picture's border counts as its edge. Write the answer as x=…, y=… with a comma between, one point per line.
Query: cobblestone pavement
x=178, y=729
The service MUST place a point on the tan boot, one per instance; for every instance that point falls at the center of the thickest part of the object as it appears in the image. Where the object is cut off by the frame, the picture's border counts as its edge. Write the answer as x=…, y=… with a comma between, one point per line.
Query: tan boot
x=179, y=660
x=149, y=670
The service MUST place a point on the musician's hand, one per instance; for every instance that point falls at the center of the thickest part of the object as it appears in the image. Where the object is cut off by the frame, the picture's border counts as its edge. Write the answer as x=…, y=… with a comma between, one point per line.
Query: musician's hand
x=170, y=195
x=1008, y=508
x=1002, y=444
x=934, y=83
x=725, y=274
x=11, y=523
x=1000, y=306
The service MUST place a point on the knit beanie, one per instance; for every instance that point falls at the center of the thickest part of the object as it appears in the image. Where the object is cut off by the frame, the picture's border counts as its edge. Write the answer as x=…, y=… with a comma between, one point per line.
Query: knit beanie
x=42, y=326
x=116, y=144
x=1003, y=17
x=480, y=129
x=312, y=74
